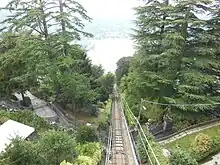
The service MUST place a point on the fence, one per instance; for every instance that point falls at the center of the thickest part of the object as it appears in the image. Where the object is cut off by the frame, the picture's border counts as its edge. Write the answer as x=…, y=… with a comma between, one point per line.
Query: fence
x=189, y=128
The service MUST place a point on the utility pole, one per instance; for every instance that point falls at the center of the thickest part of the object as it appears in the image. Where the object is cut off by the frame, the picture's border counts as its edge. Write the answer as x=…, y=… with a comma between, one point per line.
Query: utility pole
x=140, y=110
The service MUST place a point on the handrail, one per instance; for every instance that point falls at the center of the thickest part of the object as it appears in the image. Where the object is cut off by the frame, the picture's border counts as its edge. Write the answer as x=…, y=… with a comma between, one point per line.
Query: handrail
x=63, y=116
x=109, y=139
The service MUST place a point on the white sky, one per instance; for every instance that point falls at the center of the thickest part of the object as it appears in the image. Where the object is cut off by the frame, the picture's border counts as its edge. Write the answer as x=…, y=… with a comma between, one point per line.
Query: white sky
x=117, y=9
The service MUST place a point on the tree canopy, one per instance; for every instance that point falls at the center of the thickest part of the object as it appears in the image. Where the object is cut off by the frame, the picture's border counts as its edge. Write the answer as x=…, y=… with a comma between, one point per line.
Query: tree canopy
x=39, y=53
x=176, y=59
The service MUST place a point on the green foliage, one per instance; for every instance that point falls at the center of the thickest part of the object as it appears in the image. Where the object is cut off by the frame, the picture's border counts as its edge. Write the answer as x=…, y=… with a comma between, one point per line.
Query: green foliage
x=200, y=145
x=83, y=160
x=176, y=60
x=55, y=146
x=105, y=116
x=86, y=134
x=25, y=117
x=19, y=152
x=65, y=163
x=180, y=157
x=52, y=147
x=106, y=85
x=123, y=65
x=92, y=150
x=37, y=54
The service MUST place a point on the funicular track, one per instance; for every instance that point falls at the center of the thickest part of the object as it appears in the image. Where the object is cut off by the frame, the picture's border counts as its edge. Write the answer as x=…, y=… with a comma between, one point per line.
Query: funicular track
x=122, y=151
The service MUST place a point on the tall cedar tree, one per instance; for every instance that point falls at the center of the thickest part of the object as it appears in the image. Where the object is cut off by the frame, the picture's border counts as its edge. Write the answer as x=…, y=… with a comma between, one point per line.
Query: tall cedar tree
x=177, y=56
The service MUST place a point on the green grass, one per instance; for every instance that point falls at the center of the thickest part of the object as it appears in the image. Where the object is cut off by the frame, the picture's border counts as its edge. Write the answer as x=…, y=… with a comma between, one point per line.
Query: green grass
x=186, y=141
x=103, y=115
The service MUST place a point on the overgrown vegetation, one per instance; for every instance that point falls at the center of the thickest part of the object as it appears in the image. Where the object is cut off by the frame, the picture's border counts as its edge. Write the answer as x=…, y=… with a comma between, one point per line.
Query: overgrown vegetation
x=25, y=117
x=50, y=145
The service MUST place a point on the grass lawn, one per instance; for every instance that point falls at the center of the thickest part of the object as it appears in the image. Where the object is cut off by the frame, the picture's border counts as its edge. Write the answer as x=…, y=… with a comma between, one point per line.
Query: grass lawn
x=102, y=116
x=186, y=141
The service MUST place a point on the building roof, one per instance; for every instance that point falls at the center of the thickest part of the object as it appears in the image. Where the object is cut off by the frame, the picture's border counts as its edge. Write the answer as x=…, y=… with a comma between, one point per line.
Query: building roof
x=12, y=129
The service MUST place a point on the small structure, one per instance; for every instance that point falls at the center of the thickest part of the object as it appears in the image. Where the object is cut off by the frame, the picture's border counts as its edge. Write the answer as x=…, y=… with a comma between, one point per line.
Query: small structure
x=12, y=129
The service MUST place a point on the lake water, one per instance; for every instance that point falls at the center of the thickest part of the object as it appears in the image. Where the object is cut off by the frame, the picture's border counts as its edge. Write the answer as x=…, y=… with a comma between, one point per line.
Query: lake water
x=108, y=51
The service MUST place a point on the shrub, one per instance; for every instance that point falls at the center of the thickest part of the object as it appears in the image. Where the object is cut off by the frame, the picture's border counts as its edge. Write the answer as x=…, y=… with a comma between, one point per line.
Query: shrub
x=92, y=150
x=65, y=163
x=201, y=146
x=202, y=143
x=83, y=160
x=180, y=157
x=26, y=117
x=86, y=134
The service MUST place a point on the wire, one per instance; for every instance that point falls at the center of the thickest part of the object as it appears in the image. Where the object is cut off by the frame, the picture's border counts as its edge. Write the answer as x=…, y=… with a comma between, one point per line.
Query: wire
x=145, y=147
x=156, y=103
x=129, y=110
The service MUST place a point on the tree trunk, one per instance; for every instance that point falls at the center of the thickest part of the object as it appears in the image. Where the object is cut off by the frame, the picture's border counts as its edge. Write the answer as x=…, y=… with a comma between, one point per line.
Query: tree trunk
x=63, y=25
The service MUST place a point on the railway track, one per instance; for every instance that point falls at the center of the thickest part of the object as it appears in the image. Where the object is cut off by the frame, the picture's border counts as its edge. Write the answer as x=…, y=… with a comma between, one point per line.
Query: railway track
x=122, y=151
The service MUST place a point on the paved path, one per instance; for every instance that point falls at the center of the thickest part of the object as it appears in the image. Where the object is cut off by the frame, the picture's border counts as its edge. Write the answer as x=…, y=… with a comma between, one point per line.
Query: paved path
x=122, y=152
x=215, y=158
x=42, y=109
x=194, y=130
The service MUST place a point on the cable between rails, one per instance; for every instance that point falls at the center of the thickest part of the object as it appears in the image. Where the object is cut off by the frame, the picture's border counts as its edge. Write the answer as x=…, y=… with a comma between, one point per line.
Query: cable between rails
x=128, y=108
x=142, y=141
x=172, y=104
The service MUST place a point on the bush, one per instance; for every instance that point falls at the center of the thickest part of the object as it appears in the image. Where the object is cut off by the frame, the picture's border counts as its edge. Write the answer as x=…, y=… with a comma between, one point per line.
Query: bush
x=26, y=117
x=65, y=163
x=86, y=134
x=92, y=150
x=83, y=160
x=202, y=146
x=180, y=157
x=202, y=143
x=19, y=152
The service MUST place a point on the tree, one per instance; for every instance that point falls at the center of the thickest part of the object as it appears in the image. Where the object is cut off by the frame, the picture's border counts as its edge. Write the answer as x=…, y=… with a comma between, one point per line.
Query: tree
x=175, y=61
x=17, y=73
x=19, y=152
x=55, y=146
x=180, y=157
x=92, y=150
x=41, y=18
x=97, y=71
x=107, y=85
x=86, y=134
x=123, y=65
x=53, y=67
